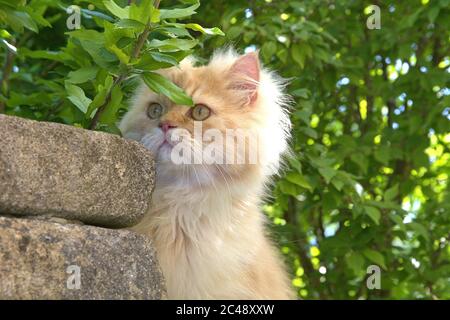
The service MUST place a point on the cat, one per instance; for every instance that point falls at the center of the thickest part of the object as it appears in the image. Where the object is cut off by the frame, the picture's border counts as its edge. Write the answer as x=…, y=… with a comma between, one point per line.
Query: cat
x=205, y=219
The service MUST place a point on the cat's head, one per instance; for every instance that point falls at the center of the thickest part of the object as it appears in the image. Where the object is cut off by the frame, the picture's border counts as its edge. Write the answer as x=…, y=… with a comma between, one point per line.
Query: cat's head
x=238, y=127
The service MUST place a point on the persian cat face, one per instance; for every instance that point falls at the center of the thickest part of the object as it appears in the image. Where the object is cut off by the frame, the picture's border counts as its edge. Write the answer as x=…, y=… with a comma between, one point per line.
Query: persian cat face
x=237, y=128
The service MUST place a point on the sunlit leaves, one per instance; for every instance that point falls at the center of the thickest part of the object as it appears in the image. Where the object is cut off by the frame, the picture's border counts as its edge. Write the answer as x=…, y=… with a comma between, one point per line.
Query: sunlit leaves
x=362, y=155
x=119, y=12
x=199, y=28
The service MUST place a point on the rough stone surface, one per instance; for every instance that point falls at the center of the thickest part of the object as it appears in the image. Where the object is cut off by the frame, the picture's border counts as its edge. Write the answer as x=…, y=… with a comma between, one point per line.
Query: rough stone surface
x=59, y=170
x=35, y=257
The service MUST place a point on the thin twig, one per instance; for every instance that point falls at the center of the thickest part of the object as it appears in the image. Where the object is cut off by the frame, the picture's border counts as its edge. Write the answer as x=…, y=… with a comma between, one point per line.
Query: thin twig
x=144, y=35
x=49, y=68
x=141, y=40
x=103, y=106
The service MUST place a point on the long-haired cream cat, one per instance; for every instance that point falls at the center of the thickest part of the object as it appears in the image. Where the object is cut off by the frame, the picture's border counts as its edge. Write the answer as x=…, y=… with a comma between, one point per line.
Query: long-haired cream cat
x=205, y=218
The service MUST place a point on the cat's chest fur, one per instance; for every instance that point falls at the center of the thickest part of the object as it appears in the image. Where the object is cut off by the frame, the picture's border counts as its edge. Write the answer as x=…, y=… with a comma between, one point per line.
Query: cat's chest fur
x=205, y=242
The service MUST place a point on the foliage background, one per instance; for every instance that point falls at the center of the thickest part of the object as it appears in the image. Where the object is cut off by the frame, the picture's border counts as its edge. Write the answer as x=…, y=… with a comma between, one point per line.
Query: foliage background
x=371, y=113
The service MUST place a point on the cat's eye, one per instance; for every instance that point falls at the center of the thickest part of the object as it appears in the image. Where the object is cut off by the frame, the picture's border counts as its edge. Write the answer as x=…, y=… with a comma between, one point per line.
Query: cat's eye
x=155, y=111
x=200, y=112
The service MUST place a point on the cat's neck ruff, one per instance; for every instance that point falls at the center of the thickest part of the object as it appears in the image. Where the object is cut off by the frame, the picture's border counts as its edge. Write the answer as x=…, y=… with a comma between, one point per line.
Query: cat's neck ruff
x=199, y=207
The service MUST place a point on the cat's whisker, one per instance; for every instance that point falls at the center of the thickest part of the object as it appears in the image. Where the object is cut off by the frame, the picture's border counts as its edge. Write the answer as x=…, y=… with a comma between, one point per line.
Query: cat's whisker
x=198, y=144
x=211, y=178
x=198, y=179
x=225, y=179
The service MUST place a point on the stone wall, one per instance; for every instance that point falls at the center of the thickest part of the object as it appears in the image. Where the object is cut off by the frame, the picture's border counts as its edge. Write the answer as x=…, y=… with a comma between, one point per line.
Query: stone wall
x=62, y=190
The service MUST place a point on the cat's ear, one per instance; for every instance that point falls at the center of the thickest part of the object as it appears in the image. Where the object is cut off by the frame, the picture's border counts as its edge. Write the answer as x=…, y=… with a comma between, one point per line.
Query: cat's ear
x=244, y=75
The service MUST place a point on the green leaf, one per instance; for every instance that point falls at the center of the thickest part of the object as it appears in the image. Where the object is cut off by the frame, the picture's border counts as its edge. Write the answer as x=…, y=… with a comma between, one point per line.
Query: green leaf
x=171, y=45
x=373, y=213
x=37, y=17
x=391, y=193
x=174, y=30
x=98, y=14
x=45, y=54
x=156, y=16
x=433, y=13
x=210, y=31
x=382, y=154
x=298, y=54
x=160, y=84
x=132, y=24
x=113, y=34
x=109, y=116
x=178, y=13
x=122, y=13
x=361, y=160
x=296, y=164
x=122, y=56
x=76, y=95
x=161, y=57
x=384, y=205
x=328, y=173
x=9, y=4
x=234, y=32
x=397, y=220
x=100, y=97
x=99, y=53
x=310, y=132
x=355, y=261
x=141, y=12
x=299, y=180
x=288, y=188
x=337, y=183
x=20, y=19
x=82, y=75
x=150, y=61
x=268, y=50
x=419, y=229
x=375, y=257
x=90, y=35
x=301, y=93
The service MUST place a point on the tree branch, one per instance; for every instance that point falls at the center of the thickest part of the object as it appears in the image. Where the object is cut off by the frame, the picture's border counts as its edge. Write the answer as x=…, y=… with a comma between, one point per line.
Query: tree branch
x=141, y=40
x=102, y=108
x=123, y=75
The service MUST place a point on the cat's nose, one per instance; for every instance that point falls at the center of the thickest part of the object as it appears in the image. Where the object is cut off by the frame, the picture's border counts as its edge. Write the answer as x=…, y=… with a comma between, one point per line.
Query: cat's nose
x=165, y=126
